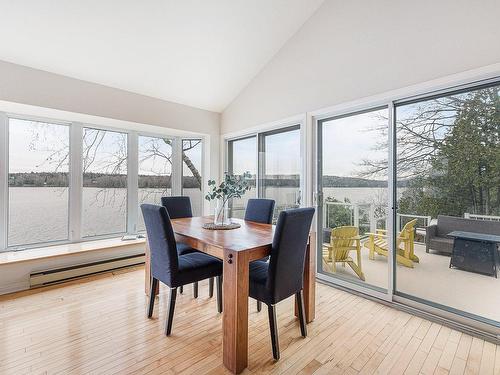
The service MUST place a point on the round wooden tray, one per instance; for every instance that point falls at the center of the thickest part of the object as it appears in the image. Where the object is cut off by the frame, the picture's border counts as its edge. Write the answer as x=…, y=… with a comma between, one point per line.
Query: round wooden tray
x=213, y=226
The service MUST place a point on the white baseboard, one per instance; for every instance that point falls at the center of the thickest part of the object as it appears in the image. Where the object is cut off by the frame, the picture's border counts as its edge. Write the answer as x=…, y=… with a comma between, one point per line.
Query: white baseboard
x=15, y=287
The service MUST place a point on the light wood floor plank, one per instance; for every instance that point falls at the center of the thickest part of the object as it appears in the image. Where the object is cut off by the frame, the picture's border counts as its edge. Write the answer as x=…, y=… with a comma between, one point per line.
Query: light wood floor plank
x=488, y=359
x=474, y=358
x=97, y=325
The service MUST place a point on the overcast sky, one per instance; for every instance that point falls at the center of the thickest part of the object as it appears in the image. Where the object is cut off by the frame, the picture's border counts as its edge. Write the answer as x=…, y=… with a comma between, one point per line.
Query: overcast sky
x=347, y=141
x=33, y=146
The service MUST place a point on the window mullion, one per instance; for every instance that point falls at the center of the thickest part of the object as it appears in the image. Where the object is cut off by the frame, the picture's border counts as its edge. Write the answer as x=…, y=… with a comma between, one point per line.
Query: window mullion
x=4, y=179
x=132, y=182
x=176, y=166
x=75, y=182
x=261, y=166
x=391, y=198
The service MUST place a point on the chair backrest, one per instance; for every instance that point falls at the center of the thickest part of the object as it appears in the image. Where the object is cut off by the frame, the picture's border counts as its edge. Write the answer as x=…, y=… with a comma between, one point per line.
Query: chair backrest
x=447, y=224
x=260, y=210
x=408, y=230
x=286, y=265
x=162, y=245
x=343, y=236
x=177, y=207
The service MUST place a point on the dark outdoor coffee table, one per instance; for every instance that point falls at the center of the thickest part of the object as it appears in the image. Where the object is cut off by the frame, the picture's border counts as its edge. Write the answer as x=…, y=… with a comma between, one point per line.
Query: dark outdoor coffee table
x=475, y=252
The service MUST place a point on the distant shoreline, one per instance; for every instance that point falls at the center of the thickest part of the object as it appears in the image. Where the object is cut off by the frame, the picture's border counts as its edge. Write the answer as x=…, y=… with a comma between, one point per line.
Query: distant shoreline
x=101, y=180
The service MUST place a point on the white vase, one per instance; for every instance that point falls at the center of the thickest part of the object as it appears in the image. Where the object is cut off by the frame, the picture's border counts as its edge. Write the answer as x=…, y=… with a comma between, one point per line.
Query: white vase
x=221, y=214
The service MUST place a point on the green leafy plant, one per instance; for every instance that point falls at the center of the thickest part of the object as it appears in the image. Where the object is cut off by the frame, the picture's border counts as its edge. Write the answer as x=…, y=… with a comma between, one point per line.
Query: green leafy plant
x=233, y=186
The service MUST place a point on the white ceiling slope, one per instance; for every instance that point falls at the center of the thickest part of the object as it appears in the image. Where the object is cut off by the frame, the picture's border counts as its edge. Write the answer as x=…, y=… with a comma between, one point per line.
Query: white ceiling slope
x=200, y=53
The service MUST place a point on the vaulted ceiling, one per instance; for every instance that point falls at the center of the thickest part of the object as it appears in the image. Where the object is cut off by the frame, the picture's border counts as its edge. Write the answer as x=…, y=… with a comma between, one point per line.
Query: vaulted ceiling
x=196, y=52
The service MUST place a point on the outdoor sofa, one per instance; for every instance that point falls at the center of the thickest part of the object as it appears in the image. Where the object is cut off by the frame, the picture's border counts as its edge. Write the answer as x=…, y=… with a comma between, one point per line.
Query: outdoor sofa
x=436, y=235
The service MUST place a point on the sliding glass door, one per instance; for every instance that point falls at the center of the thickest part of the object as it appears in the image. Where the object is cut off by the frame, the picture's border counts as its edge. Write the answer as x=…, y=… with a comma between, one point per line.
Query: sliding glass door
x=242, y=158
x=274, y=161
x=280, y=164
x=352, y=214
x=448, y=184
x=409, y=203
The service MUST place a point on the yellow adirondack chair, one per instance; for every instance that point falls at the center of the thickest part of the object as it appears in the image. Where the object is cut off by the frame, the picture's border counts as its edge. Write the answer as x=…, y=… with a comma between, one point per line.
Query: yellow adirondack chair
x=343, y=240
x=377, y=243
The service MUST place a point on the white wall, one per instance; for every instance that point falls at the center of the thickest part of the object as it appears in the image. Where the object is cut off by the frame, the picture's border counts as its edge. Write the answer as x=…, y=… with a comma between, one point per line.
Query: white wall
x=21, y=84
x=353, y=49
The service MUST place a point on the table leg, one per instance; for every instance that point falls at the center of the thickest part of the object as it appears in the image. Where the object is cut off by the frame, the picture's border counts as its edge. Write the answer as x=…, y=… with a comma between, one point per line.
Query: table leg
x=310, y=280
x=235, y=319
x=147, y=272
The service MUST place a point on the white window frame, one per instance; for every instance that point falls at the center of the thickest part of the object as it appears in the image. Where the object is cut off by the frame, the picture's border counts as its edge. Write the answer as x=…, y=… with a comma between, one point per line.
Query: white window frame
x=128, y=224
x=260, y=131
x=5, y=230
x=345, y=113
x=175, y=179
x=75, y=209
x=4, y=179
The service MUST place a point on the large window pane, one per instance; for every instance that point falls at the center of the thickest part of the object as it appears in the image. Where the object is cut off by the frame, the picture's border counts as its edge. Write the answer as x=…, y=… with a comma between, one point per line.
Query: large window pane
x=354, y=183
x=281, y=163
x=448, y=163
x=242, y=158
x=38, y=182
x=191, y=173
x=155, y=171
x=104, y=182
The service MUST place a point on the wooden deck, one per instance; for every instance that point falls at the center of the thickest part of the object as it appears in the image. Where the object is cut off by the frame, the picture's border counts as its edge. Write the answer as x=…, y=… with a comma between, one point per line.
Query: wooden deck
x=98, y=325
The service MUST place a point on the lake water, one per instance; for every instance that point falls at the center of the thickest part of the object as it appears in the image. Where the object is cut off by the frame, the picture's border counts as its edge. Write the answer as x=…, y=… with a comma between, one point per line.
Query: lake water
x=41, y=214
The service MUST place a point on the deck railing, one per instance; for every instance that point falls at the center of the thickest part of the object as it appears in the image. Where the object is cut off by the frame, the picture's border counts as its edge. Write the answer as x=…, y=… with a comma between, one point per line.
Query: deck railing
x=364, y=217
x=481, y=217
x=361, y=215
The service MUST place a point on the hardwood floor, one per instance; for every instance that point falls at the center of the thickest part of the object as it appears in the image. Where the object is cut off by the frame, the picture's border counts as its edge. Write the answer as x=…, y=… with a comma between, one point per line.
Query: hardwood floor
x=98, y=325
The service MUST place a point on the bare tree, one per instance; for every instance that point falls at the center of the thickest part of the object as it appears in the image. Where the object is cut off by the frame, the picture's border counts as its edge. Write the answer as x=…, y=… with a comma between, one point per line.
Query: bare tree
x=187, y=144
x=422, y=130
x=115, y=161
x=448, y=151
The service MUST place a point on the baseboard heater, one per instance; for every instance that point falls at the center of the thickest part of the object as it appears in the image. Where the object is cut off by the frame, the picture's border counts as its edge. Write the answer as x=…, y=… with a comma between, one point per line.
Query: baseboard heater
x=68, y=273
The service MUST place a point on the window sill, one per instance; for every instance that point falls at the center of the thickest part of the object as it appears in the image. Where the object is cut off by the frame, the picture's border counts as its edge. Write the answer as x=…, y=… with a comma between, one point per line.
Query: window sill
x=10, y=257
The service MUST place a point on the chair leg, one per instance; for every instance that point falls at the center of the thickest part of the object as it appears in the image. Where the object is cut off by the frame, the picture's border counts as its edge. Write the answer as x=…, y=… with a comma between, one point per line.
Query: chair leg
x=211, y=287
x=181, y=289
x=195, y=289
x=219, y=293
x=299, y=296
x=170, y=314
x=154, y=285
x=259, y=306
x=273, y=326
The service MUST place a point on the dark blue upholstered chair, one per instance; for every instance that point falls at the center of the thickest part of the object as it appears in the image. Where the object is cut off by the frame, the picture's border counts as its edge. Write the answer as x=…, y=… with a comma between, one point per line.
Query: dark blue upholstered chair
x=282, y=277
x=260, y=210
x=179, y=207
x=169, y=267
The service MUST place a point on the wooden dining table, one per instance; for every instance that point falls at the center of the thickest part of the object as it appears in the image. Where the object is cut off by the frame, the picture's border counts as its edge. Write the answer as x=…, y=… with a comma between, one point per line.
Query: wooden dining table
x=237, y=248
